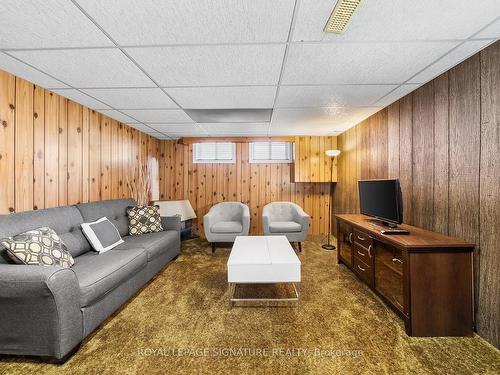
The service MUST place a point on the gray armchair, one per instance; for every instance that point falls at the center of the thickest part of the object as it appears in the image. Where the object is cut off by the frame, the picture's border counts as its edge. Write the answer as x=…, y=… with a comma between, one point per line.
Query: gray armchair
x=225, y=221
x=285, y=219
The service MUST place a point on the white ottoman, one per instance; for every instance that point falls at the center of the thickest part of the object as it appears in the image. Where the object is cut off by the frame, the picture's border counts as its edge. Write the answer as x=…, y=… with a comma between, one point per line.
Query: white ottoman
x=262, y=260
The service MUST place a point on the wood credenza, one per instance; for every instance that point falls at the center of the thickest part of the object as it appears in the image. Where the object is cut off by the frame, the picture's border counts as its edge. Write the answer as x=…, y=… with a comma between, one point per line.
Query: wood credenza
x=425, y=277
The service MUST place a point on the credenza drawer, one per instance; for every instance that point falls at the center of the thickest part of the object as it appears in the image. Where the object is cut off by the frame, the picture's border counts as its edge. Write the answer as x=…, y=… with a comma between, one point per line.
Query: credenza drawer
x=363, y=270
x=361, y=238
x=364, y=254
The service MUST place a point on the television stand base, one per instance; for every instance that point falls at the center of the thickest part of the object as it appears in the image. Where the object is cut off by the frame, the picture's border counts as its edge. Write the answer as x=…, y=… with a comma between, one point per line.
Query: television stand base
x=383, y=224
x=395, y=231
x=390, y=225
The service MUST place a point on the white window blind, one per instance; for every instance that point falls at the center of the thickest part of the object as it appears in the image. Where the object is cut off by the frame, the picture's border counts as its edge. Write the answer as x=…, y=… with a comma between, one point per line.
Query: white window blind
x=214, y=152
x=271, y=152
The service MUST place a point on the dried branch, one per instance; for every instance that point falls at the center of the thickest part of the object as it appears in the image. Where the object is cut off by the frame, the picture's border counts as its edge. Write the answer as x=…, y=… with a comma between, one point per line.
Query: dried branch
x=140, y=185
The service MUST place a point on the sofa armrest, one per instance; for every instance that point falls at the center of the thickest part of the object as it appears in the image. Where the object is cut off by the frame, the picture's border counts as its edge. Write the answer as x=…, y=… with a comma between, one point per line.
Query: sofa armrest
x=39, y=310
x=266, y=220
x=245, y=219
x=208, y=221
x=171, y=223
x=302, y=218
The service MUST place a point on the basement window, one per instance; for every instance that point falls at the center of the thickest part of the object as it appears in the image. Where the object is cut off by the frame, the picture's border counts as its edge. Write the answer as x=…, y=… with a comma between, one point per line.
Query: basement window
x=214, y=152
x=271, y=152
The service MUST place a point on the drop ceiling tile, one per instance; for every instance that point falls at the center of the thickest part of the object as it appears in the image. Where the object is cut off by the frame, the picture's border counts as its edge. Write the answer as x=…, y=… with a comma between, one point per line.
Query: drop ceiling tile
x=397, y=94
x=360, y=63
x=118, y=116
x=317, y=121
x=154, y=134
x=159, y=115
x=139, y=22
x=331, y=96
x=26, y=72
x=220, y=65
x=177, y=128
x=236, y=129
x=450, y=60
x=86, y=68
x=491, y=31
x=230, y=115
x=81, y=98
x=141, y=127
x=46, y=24
x=181, y=130
x=397, y=20
x=297, y=131
x=224, y=97
x=198, y=133
x=135, y=98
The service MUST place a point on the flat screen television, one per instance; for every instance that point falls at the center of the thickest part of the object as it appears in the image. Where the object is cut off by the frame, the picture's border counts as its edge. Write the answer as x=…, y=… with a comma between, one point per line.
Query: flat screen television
x=382, y=200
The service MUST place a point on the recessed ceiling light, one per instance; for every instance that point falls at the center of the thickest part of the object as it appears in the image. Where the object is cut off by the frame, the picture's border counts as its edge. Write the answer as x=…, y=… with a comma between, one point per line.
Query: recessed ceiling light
x=341, y=15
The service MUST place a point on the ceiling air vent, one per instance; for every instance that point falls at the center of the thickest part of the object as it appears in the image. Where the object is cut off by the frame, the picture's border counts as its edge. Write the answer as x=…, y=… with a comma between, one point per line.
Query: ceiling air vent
x=341, y=15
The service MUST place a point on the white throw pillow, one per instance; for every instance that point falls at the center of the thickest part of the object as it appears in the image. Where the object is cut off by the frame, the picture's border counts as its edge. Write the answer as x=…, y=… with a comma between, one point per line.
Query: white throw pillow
x=102, y=235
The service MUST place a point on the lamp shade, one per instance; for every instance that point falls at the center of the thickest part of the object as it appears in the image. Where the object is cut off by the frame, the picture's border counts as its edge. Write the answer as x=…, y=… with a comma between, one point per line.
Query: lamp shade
x=332, y=153
x=182, y=208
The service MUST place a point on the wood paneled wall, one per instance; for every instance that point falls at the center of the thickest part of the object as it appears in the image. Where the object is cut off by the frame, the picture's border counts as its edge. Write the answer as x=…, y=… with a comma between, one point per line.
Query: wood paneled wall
x=443, y=142
x=311, y=164
x=253, y=184
x=55, y=152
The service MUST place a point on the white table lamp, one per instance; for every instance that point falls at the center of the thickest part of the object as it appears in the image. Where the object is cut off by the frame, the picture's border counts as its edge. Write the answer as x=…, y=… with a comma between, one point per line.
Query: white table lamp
x=182, y=208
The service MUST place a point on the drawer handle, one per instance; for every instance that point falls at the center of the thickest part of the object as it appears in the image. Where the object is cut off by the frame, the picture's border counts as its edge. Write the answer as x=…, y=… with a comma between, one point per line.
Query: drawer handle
x=396, y=260
x=360, y=253
x=370, y=251
x=361, y=238
x=397, y=303
x=350, y=237
x=361, y=268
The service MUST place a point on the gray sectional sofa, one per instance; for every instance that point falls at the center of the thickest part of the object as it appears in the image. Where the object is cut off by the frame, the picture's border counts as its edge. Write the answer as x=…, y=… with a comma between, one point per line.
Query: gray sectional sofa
x=48, y=311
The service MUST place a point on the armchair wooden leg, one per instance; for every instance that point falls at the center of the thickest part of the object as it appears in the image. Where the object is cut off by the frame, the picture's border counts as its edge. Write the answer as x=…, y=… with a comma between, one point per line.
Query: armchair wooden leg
x=300, y=247
x=213, y=247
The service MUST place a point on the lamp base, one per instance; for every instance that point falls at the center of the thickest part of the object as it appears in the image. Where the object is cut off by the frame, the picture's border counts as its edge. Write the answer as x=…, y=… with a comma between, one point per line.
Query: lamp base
x=328, y=247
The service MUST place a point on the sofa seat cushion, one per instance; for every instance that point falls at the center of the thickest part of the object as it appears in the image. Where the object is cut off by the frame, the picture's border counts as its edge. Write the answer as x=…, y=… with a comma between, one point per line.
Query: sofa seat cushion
x=155, y=244
x=227, y=227
x=98, y=274
x=284, y=227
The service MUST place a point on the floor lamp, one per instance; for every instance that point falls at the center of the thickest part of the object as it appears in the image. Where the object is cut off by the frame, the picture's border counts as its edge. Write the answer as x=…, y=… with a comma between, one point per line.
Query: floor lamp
x=331, y=154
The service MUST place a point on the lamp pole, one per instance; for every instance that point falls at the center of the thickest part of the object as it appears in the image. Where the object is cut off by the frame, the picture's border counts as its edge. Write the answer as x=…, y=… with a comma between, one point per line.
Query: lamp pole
x=331, y=154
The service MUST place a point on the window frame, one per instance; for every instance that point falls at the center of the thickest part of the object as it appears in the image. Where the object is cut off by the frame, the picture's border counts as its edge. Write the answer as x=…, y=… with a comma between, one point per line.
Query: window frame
x=291, y=156
x=214, y=161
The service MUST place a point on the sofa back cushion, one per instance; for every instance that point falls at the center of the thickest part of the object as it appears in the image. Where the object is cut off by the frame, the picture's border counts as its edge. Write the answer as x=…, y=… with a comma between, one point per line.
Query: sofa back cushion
x=115, y=210
x=65, y=221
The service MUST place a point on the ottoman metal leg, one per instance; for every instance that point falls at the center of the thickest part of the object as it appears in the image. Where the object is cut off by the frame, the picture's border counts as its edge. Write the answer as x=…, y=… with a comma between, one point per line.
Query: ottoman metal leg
x=232, y=288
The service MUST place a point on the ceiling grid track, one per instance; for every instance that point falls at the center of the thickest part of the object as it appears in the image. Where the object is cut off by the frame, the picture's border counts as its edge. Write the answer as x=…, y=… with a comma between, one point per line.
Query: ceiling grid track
x=313, y=83
x=70, y=87
x=470, y=38
x=132, y=60
x=283, y=64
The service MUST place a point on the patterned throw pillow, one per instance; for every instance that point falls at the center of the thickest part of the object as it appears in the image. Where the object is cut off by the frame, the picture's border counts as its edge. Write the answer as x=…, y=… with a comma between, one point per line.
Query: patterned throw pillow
x=39, y=247
x=144, y=219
